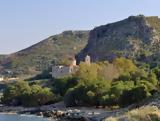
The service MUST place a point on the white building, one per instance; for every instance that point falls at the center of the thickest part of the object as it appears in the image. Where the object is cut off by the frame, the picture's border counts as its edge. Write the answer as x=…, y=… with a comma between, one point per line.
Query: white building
x=88, y=60
x=1, y=78
x=62, y=71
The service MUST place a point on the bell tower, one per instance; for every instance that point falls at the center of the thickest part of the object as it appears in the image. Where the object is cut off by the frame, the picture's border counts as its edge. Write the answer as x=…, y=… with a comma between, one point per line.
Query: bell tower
x=73, y=62
x=88, y=60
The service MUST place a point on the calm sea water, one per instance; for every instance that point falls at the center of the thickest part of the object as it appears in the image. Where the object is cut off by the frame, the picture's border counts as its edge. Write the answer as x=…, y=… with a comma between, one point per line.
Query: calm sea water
x=14, y=117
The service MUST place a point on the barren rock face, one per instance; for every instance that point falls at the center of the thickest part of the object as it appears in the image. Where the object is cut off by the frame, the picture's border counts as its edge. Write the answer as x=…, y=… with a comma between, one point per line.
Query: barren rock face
x=129, y=38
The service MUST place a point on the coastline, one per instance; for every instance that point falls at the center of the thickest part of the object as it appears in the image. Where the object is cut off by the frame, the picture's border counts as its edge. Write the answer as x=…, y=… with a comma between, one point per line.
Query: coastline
x=61, y=113
x=28, y=116
x=8, y=113
x=52, y=113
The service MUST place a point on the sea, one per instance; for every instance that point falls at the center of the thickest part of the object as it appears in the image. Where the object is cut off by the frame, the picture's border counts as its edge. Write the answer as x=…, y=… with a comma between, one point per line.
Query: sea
x=17, y=117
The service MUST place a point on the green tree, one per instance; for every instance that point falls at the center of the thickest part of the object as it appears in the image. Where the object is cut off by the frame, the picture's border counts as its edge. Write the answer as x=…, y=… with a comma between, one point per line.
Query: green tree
x=20, y=93
x=152, y=78
x=39, y=96
x=157, y=72
x=124, y=65
x=16, y=93
x=132, y=96
x=87, y=72
x=107, y=71
x=61, y=85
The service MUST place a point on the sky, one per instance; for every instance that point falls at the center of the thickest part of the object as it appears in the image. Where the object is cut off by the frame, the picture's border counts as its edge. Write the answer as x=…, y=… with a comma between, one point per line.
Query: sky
x=26, y=22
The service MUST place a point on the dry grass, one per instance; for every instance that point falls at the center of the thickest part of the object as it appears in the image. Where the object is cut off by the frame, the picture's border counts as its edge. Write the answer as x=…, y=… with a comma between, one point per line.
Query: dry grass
x=143, y=113
x=110, y=119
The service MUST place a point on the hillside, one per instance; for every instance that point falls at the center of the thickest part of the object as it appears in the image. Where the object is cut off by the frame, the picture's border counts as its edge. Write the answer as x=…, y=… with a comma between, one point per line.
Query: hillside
x=136, y=37
x=55, y=49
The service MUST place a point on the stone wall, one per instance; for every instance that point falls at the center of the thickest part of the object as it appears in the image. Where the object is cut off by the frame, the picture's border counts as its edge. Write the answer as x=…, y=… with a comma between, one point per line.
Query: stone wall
x=60, y=71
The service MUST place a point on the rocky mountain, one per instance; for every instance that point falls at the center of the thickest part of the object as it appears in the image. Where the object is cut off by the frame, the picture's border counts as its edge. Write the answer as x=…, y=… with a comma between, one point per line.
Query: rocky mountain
x=56, y=49
x=135, y=37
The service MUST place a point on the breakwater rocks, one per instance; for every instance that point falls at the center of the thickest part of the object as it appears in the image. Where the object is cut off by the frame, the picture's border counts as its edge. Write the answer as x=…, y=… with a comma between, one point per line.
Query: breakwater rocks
x=63, y=115
x=60, y=114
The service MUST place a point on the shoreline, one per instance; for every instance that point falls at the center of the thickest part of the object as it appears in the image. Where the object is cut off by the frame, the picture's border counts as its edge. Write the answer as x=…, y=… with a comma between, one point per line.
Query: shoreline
x=8, y=113
x=26, y=115
x=52, y=113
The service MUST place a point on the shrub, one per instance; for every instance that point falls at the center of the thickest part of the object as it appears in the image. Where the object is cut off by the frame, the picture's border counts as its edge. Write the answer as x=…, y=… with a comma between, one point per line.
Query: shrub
x=61, y=85
x=141, y=113
x=21, y=93
x=132, y=96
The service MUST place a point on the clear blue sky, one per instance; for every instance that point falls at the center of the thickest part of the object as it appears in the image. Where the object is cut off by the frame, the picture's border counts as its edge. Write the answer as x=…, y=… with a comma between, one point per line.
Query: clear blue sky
x=25, y=22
